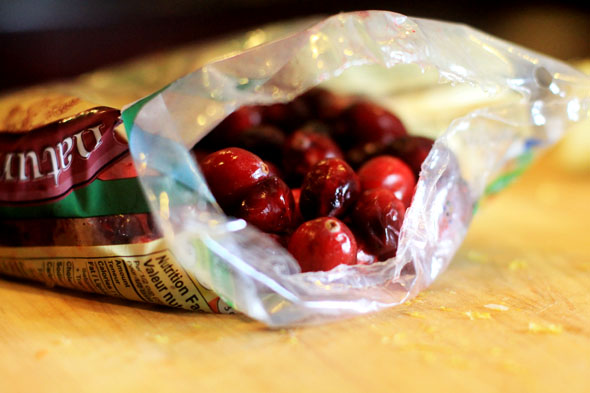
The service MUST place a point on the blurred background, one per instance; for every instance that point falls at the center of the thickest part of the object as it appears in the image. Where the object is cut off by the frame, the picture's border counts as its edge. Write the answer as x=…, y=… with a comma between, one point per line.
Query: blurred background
x=45, y=40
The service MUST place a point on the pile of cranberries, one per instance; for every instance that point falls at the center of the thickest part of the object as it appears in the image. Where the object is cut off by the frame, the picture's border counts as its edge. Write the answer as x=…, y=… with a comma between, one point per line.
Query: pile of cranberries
x=328, y=176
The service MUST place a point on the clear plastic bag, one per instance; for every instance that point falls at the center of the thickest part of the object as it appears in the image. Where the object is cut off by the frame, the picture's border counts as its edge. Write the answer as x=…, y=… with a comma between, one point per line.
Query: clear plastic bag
x=478, y=150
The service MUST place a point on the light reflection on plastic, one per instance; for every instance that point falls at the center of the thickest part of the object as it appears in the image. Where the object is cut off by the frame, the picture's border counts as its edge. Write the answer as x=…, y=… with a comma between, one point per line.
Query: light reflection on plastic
x=235, y=225
x=554, y=88
x=255, y=38
x=211, y=110
x=205, y=74
x=164, y=205
x=322, y=285
x=458, y=69
x=488, y=48
x=143, y=165
x=276, y=92
x=573, y=110
x=314, y=48
x=538, y=117
x=278, y=307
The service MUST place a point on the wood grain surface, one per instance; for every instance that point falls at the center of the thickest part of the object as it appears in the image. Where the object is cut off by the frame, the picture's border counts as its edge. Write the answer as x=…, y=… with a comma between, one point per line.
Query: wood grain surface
x=511, y=314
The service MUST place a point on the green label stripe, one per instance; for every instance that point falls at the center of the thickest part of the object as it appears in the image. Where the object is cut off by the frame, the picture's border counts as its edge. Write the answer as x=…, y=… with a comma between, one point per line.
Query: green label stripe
x=502, y=181
x=99, y=198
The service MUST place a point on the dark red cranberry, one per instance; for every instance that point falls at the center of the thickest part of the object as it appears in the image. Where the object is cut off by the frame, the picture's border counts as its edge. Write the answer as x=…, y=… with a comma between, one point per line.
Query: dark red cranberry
x=363, y=255
x=323, y=104
x=269, y=205
x=365, y=122
x=230, y=172
x=358, y=155
x=304, y=149
x=281, y=238
x=296, y=192
x=288, y=116
x=228, y=130
x=296, y=196
x=377, y=219
x=390, y=173
x=330, y=188
x=316, y=127
x=241, y=120
x=413, y=150
x=322, y=244
x=265, y=141
x=200, y=155
x=273, y=170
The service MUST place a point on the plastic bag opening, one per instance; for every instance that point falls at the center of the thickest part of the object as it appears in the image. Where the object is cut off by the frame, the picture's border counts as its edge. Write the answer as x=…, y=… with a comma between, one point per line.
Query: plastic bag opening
x=475, y=151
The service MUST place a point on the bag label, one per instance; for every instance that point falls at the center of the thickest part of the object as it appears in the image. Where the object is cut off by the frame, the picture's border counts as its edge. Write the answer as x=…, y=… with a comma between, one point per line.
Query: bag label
x=146, y=272
x=45, y=164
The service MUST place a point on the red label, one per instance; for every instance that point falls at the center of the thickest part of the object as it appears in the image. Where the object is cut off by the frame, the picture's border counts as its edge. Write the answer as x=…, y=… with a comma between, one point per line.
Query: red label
x=47, y=163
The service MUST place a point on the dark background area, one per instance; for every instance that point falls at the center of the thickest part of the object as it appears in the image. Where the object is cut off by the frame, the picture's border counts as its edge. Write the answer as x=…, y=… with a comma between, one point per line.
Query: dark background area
x=42, y=40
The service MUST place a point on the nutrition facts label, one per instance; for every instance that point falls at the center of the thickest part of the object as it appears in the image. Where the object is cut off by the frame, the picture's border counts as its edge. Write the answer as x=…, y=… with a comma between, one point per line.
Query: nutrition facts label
x=143, y=272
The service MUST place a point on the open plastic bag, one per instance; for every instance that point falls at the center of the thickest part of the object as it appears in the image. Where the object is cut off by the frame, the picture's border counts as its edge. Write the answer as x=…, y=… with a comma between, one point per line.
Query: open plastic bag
x=483, y=148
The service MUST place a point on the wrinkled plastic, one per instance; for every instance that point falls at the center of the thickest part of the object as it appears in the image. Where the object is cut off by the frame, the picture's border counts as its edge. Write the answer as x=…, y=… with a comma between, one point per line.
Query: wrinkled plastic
x=257, y=277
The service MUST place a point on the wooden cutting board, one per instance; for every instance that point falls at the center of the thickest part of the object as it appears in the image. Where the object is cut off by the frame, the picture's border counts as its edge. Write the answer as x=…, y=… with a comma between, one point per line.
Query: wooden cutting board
x=512, y=313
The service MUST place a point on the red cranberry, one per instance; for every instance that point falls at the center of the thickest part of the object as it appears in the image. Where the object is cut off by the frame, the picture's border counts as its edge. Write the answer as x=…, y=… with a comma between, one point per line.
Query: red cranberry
x=316, y=127
x=265, y=141
x=303, y=149
x=358, y=155
x=288, y=116
x=268, y=205
x=377, y=218
x=229, y=172
x=413, y=150
x=323, y=104
x=281, y=238
x=200, y=155
x=273, y=170
x=391, y=173
x=239, y=121
x=296, y=192
x=365, y=122
x=363, y=255
x=322, y=244
x=296, y=195
x=329, y=189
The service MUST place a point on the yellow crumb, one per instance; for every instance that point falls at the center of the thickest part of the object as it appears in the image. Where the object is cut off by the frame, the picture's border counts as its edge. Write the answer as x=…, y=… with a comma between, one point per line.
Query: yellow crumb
x=517, y=264
x=475, y=256
x=550, y=328
x=161, y=339
x=399, y=338
x=473, y=315
x=497, y=307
